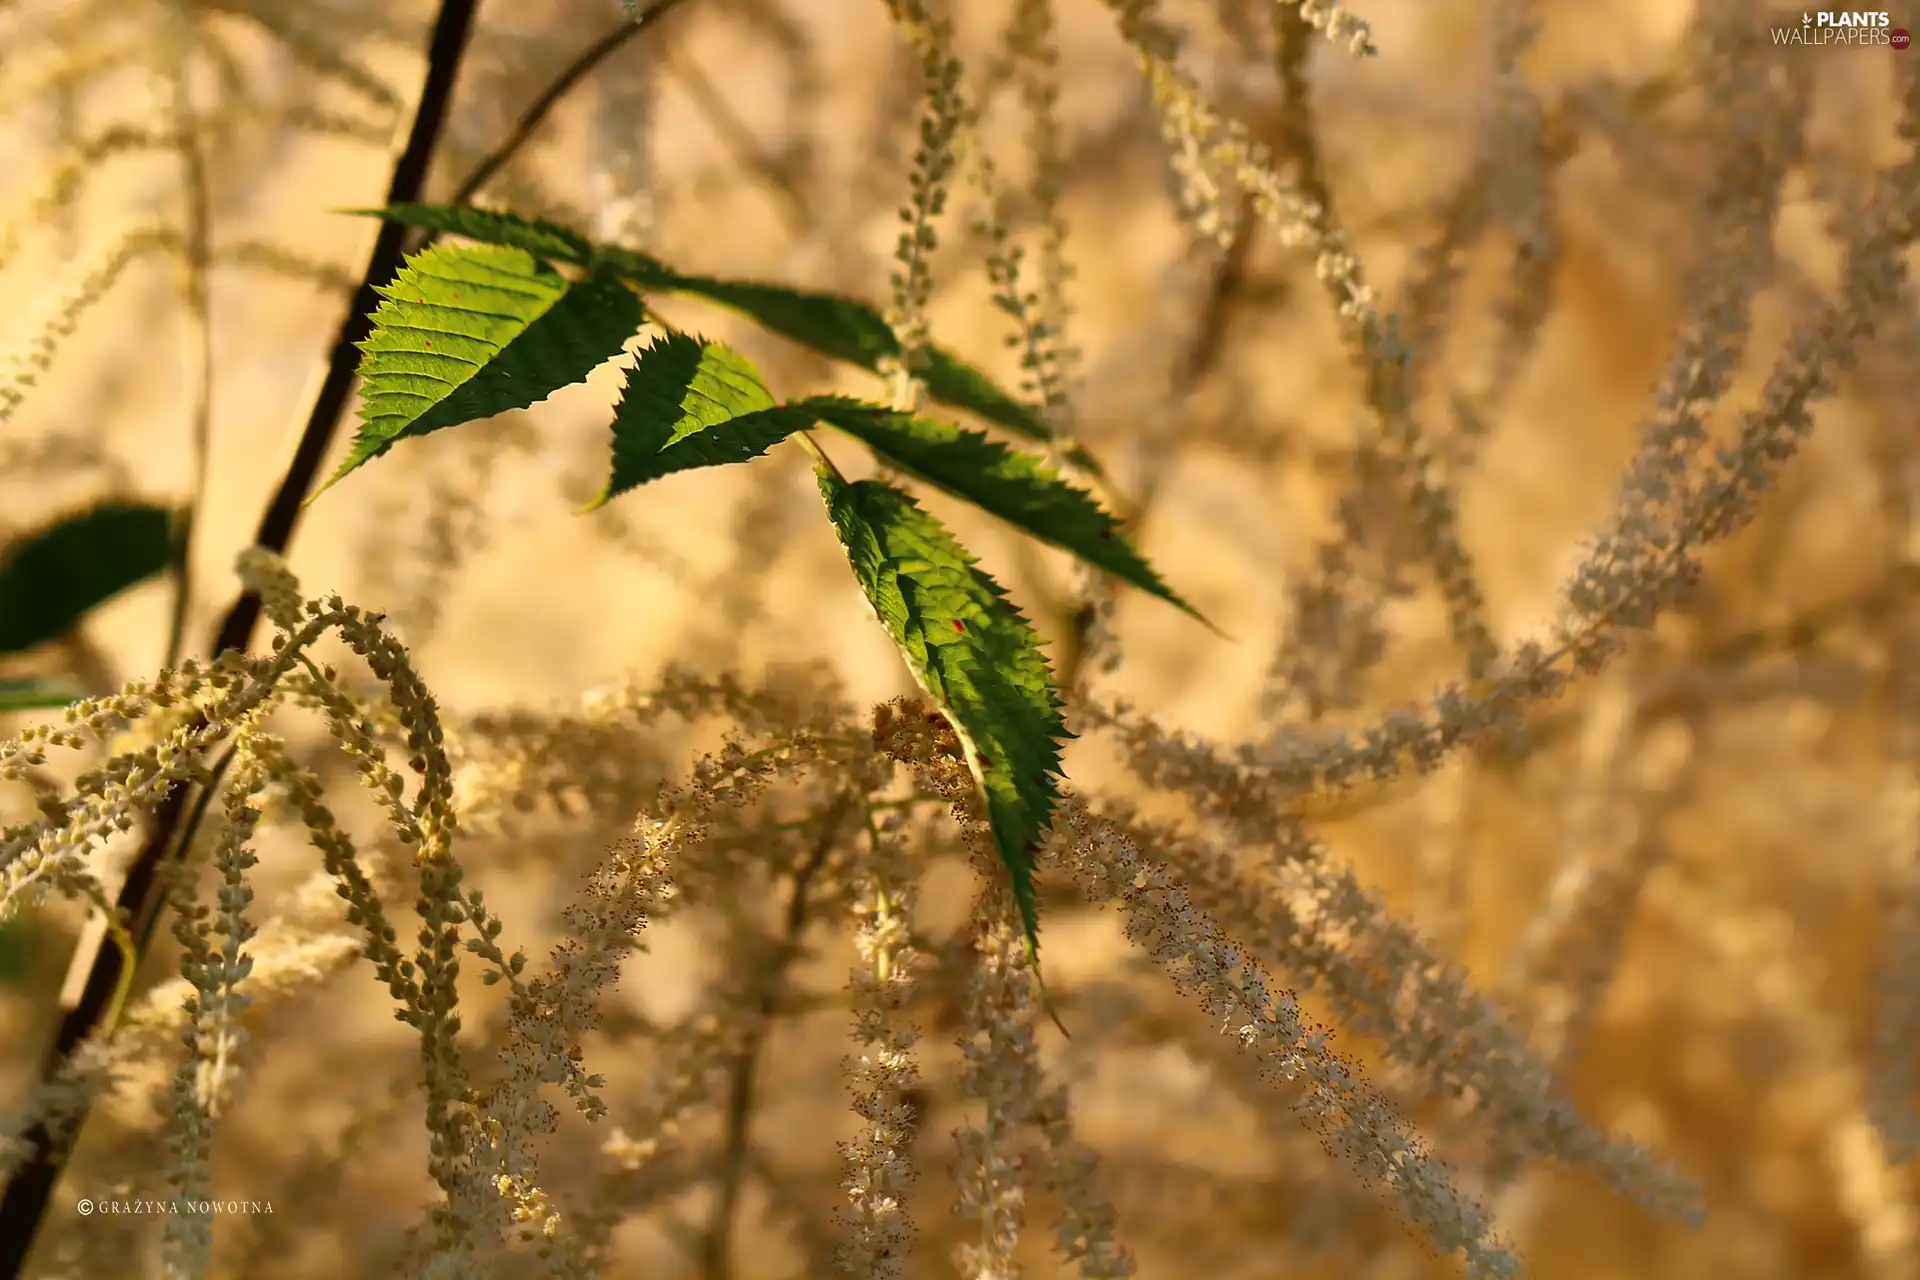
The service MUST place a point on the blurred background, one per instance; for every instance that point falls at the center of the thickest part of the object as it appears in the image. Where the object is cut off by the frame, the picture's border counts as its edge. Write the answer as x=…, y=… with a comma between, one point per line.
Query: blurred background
x=1680, y=887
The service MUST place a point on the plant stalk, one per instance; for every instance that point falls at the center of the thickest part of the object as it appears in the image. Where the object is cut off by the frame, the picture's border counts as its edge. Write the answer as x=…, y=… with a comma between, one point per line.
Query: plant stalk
x=23, y=1206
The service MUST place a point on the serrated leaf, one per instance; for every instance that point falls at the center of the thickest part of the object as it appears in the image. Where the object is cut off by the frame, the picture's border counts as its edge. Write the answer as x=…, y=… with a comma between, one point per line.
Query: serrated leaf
x=541, y=238
x=1018, y=487
x=641, y=270
x=50, y=578
x=691, y=403
x=975, y=656
x=953, y=381
x=832, y=324
x=850, y=330
x=32, y=693
x=470, y=331
x=841, y=327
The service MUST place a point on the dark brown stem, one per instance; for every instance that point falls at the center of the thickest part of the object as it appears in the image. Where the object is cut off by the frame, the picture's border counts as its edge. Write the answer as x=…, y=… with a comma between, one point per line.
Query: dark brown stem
x=24, y=1203
x=23, y=1207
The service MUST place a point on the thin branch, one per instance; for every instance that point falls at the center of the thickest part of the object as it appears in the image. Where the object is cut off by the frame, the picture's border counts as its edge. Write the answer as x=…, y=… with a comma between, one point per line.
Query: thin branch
x=537, y=110
x=24, y=1203
x=716, y=1244
x=23, y=1207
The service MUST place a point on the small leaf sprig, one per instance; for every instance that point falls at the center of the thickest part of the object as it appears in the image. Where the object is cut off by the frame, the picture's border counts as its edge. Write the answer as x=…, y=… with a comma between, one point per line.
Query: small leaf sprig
x=466, y=331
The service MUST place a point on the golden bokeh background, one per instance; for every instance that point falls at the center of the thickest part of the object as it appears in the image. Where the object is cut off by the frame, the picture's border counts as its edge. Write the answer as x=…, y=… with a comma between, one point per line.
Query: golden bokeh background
x=1751, y=768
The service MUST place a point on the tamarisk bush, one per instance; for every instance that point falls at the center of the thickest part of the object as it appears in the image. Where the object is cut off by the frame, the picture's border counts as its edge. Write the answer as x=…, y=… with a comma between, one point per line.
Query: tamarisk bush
x=1509, y=895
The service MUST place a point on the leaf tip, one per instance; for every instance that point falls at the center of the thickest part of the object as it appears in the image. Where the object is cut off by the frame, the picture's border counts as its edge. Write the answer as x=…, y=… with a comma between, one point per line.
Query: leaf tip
x=346, y=468
x=1206, y=622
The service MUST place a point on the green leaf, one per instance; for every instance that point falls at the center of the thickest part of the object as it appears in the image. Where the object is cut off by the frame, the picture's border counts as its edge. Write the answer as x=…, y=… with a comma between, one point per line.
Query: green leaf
x=834, y=325
x=470, y=331
x=691, y=403
x=973, y=653
x=1018, y=487
x=51, y=577
x=953, y=381
x=640, y=270
x=540, y=238
x=31, y=693
x=848, y=329
x=840, y=327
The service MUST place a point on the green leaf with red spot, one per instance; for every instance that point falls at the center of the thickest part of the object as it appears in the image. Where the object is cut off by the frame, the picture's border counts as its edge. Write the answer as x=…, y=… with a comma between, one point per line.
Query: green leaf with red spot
x=974, y=655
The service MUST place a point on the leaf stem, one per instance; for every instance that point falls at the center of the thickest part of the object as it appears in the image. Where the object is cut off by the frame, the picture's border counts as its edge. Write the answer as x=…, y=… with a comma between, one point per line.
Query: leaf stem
x=820, y=457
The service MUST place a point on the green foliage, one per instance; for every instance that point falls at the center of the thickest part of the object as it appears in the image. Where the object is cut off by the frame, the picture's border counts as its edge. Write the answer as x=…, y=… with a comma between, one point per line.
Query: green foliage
x=687, y=404
x=32, y=693
x=854, y=332
x=1018, y=487
x=540, y=238
x=466, y=332
x=840, y=327
x=51, y=577
x=471, y=331
x=972, y=652
x=834, y=326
